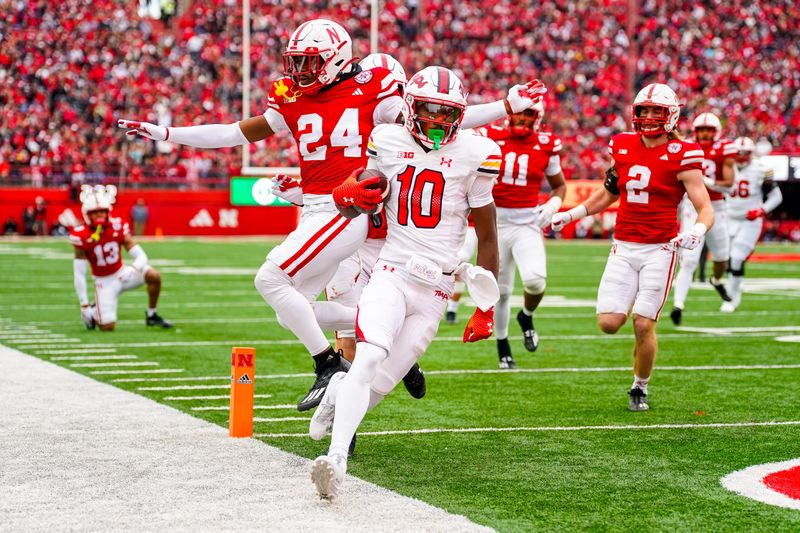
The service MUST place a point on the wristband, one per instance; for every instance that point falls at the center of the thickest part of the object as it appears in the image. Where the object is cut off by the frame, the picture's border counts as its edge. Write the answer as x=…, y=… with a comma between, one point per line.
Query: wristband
x=578, y=212
x=699, y=229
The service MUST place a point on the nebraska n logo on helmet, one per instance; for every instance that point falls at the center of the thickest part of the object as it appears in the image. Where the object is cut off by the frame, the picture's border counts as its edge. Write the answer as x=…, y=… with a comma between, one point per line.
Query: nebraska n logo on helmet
x=318, y=51
x=664, y=110
x=434, y=106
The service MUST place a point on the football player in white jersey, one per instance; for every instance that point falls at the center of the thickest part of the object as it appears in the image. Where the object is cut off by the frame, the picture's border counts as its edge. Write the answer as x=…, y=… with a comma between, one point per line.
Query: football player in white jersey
x=747, y=208
x=437, y=176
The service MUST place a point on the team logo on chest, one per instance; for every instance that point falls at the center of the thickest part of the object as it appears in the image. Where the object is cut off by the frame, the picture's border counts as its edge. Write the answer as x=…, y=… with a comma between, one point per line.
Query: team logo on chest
x=543, y=139
x=364, y=77
x=446, y=161
x=674, y=148
x=405, y=155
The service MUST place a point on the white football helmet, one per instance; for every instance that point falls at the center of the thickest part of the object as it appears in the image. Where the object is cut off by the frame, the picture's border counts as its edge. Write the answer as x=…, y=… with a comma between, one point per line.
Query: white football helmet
x=97, y=198
x=745, y=147
x=528, y=121
x=318, y=51
x=659, y=96
x=434, y=106
x=388, y=62
x=707, y=120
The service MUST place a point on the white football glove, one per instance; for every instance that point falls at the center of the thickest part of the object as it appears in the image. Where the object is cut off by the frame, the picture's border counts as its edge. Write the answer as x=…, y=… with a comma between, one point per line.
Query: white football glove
x=559, y=220
x=689, y=239
x=87, y=315
x=288, y=188
x=547, y=211
x=145, y=129
x=522, y=97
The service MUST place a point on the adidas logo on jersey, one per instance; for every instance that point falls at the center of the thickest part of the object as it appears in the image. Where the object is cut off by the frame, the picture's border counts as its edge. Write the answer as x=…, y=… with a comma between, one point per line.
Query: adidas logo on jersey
x=358, y=92
x=664, y=157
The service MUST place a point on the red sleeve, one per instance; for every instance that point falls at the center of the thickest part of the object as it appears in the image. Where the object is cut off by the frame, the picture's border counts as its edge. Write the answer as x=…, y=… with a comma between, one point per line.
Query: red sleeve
x=692, y=157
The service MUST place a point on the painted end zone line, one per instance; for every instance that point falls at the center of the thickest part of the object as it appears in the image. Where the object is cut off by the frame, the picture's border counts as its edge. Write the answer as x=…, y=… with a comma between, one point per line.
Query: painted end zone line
x=548, y=428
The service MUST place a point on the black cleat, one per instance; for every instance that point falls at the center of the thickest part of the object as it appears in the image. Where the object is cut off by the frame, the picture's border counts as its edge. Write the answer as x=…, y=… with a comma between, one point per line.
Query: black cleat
x=450, y=317
x=720, y=287
x=415, y=382
x=638, y=400
x=504, y=354
x=676, y=315
x=156, y=320
x=324, y=371
x=507, y=363
x=530, y=337
x=351, y=451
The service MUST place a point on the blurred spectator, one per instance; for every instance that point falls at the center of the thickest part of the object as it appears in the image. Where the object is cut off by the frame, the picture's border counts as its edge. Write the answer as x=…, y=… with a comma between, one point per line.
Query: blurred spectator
x=10, y=227
x=40, y=217
x=28, y=220
x=139, y=215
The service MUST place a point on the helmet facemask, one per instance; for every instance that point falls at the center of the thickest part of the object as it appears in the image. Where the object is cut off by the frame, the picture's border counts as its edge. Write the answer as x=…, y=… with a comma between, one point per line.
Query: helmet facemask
x=304, y=68
x=654, y=124
x=434, y=123
x=705, y=135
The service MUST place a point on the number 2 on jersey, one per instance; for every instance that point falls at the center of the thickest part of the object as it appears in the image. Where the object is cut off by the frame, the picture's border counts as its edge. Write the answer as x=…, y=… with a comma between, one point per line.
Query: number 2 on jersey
x=636, y=186
x=421, y=194
x=344, y=134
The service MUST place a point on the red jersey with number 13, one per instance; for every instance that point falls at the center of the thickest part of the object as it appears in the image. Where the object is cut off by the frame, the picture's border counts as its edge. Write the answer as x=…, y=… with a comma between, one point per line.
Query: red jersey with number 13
x=715, y=160
x=331, y=127
x=649, y=187
x=104, y=248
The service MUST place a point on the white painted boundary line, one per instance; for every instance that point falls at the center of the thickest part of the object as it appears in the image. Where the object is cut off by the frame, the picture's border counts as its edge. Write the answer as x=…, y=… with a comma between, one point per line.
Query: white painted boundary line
x=489, y=371
x=92, y=357
x=255, y=407
x=123, y=363
x=185, y=387
x=154, y=371
x=202, y=398
x=749, y=483
x=283, y=419
x=549, y=428
x=87, y=350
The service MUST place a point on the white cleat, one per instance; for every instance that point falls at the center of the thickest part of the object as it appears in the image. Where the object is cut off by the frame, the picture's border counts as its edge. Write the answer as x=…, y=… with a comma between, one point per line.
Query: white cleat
x=322, y=420
x=327, y=473
x=727, y=307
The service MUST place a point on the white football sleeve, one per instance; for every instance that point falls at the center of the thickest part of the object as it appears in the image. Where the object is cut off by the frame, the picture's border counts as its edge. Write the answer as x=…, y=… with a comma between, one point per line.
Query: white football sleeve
x=387, y=110
x=79, y=268
x=275, y=120
x=774, y=199
x=553, y=166
x=483, y=114
x=208, y=136
x=139, y=258
x=480, y=193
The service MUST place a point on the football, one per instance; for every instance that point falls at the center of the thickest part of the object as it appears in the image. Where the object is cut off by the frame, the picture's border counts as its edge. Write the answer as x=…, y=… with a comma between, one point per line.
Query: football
x=382, y=185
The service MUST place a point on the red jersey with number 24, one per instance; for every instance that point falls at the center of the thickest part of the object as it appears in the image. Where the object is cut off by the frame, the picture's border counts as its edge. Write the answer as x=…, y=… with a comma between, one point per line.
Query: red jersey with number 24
x=104, y=248
x=331, y=127
x=649, y=187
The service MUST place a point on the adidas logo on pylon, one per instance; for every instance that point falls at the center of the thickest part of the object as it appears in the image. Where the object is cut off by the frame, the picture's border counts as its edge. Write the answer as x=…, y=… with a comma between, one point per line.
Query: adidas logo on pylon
x=358, y=92
x=244, y=380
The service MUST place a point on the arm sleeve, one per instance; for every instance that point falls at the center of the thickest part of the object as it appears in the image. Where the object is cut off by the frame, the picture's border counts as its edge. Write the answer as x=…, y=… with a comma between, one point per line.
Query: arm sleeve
x=387, y=110
x=208, y=136
x=483, y=114
x=79, y=267
x=553, y=165
x=275, y=120
x=692, y=159
x=480, y=194
x=774, y=198
x=139, y=258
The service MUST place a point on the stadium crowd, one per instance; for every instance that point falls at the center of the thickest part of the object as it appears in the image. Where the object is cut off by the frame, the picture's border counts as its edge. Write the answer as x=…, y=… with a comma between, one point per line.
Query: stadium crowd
x=69, y=69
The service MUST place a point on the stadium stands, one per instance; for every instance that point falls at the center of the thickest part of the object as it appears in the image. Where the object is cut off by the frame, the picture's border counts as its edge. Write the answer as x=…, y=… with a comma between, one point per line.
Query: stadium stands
x=69, y=69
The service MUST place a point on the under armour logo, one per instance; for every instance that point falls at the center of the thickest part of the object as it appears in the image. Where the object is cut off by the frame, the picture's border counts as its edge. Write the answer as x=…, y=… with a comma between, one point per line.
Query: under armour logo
x=349, y=200
x=446, y=161
x=388, y=268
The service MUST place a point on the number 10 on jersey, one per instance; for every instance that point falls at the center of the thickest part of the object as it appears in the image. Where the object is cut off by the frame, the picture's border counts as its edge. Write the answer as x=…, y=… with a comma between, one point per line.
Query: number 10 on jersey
x=421, y=193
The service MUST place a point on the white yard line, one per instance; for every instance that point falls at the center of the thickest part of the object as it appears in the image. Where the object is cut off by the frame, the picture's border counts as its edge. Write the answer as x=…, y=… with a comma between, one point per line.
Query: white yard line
x=577, y=369
x=258, y=419
x=524, y=429
x=41, y=341
x=86, y=350
x=98, y=458
x=203, y=398
x=123, y=363
x=92, y=357
x=153, y=371
x=185, y=387
x=255, y=407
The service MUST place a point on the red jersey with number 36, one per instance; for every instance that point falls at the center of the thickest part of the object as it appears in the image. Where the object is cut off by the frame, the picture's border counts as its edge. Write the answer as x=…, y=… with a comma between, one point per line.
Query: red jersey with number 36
x=715, y=160
x=649, y=187
x=104, y=248
x=523, y=166
x=331, y=127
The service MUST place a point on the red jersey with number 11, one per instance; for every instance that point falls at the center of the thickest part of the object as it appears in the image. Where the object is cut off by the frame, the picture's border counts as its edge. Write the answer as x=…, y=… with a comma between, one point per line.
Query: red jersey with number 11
x=103, y=248
x=649, y=188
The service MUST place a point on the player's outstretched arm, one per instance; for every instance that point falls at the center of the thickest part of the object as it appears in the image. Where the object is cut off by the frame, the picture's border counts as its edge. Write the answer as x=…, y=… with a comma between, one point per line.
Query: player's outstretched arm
x=206, y=136
x=559, y=190
x=598, y=201
x=519, y=98
x=698, y=195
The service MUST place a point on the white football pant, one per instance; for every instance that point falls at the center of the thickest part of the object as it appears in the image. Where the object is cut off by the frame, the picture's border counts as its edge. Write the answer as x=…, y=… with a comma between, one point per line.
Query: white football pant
x=108, y=288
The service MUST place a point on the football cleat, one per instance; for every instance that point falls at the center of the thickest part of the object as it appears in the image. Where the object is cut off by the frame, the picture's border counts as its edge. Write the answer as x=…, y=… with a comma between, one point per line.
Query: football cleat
x=530, y=337
x=325, y=372
x=507, y=362
x=322, y=420
x=450, y=317
x=727, y=307
x=327, y=473
x=156, y=320
x=723, y=292
x=638, y=400
x=676, y=315
x=415, y=382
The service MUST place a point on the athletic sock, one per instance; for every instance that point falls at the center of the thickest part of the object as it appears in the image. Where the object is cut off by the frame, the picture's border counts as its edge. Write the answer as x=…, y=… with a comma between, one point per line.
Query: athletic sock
x=526, y=312
x=151, y=311
x=735, y=285
x=452, y=306
x=641, y=383
x=321, y=358
x=503, y=348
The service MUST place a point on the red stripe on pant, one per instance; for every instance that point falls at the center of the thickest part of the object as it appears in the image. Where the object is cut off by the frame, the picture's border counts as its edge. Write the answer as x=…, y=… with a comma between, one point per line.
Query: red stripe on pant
x=319, y=248
x=669, y=283
x=309, y=242
x=359, y=333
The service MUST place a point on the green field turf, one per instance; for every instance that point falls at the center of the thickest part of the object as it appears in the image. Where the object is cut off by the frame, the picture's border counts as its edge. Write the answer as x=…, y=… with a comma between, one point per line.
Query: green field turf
x=536, y=477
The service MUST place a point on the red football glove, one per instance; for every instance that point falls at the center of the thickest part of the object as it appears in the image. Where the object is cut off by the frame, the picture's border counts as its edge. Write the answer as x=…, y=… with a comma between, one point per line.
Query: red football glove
x=357, y=193
x=756, y=213
x=480, y=326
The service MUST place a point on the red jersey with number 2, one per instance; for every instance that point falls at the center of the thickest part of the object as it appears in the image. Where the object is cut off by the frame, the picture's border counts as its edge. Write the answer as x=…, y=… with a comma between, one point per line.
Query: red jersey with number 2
x=104, y=248
x=715, y=160
x=331, y=127
x=523, y=168
x=649, y=187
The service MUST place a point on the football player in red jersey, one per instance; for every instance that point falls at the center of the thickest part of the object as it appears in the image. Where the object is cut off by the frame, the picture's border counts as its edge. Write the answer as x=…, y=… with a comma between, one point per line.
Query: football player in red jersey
x=330, y=106
x=719, y=173
x=651, y=170
x=529, y=157
x=98, y=243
